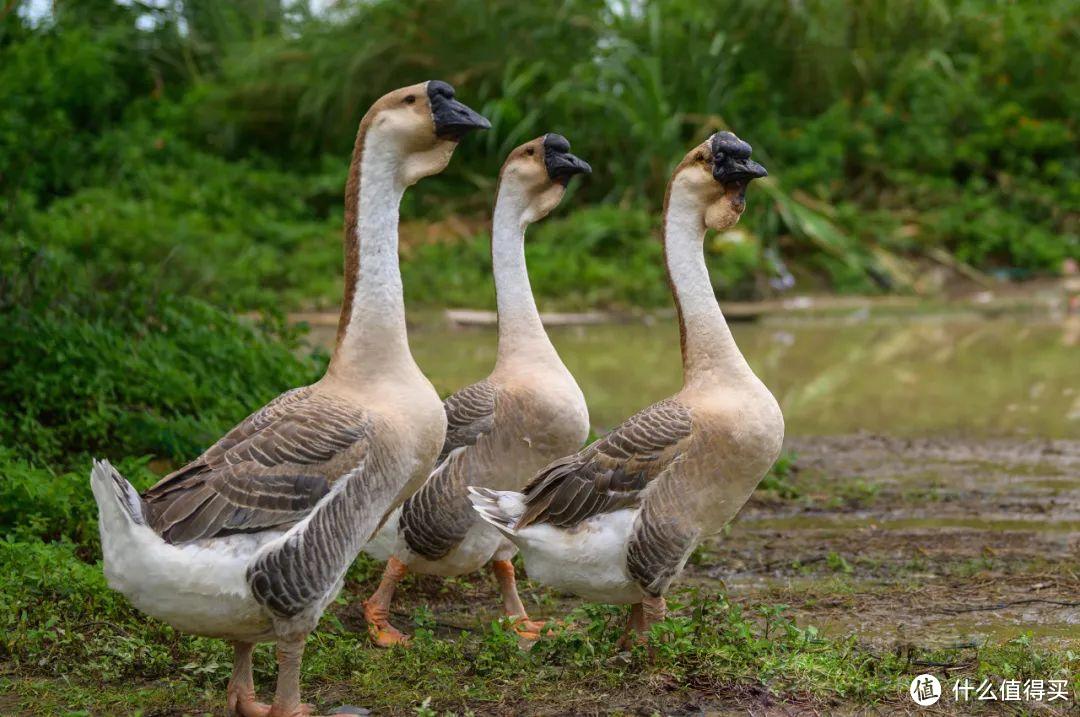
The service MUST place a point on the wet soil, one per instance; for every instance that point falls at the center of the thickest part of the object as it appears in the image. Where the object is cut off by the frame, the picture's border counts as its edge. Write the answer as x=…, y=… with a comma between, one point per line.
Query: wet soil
x=906, y=544
x=928, y=541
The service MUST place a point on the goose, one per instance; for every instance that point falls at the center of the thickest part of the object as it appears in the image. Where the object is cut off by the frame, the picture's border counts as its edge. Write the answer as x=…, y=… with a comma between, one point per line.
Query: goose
x=617, y=521
x=250, y=541
x=528, y=411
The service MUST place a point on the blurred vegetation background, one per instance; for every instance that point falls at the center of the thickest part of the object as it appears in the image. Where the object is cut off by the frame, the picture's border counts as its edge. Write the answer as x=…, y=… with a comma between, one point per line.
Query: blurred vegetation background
x=166, y=164
x=205, y=144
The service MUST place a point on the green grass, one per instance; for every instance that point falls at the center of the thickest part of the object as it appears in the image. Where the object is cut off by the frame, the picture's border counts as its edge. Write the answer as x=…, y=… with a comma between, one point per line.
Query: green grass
x=157, y=377
x=71, y=644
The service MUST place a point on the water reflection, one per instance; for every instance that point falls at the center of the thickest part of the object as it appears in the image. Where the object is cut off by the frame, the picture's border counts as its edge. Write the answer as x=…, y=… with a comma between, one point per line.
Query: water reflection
x=958, y=375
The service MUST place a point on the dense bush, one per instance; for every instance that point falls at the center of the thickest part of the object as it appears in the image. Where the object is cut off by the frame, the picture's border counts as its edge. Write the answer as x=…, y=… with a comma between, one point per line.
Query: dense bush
x=129, y=372
x=189, y=223
x=208, y=141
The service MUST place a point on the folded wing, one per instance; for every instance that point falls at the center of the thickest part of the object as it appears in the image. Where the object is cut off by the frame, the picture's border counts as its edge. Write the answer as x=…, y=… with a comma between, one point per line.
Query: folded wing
x=437, y=517
x=268, y=472
x=612, y=472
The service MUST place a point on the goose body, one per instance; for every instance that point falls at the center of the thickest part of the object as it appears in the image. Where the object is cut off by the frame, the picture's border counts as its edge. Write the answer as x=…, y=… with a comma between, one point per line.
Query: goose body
x=174, y=555
x=616, y=521
x=502, y=429
x=250, y=541
x=198, y=587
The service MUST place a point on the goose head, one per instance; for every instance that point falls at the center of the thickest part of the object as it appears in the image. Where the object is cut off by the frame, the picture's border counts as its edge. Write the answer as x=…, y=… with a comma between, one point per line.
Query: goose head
x=420, y=126
x=536, y=174
x=716, y=173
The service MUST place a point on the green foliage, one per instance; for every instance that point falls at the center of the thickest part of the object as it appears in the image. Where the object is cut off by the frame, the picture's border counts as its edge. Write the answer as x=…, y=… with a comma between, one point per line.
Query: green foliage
x=781, y=476
x=125, y=373
x=130, y=372
x=191, y=139
x=189, y=223
x=624, y=265
x=49, y=504
x=60, y=620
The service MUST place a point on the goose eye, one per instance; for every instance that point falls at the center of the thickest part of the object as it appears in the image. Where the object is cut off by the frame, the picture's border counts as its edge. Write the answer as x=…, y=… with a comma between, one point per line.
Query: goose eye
x=530, y=151
x=410, y=99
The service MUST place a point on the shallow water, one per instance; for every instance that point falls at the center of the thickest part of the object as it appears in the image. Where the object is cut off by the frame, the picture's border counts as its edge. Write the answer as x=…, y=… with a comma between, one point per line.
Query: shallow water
x=968, y=379
x=924, y=375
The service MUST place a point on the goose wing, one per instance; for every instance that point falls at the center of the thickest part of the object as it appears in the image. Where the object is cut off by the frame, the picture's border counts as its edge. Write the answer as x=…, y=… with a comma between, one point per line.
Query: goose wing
x=612, y=472
x=268, y=472
x=437, y=517
x=470, y=413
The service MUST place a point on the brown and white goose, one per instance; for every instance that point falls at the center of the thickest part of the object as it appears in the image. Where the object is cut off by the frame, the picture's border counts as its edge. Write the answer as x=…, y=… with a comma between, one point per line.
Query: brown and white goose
x=249, y=542
x=502, y=429
x=616, y=522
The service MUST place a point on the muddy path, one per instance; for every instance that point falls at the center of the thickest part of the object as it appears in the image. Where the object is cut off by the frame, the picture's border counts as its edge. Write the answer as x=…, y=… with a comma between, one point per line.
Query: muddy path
x=924, y=541
x=906, y=544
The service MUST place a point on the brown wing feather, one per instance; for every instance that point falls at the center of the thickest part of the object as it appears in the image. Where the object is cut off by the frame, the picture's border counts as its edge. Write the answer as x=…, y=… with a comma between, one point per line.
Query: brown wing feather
x=611, y=473
x=268, y=472
x=437, y=517
x=470, y=413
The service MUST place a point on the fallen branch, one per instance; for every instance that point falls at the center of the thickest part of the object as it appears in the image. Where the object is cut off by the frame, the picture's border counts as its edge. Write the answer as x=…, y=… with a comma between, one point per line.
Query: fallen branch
x=1004, y=605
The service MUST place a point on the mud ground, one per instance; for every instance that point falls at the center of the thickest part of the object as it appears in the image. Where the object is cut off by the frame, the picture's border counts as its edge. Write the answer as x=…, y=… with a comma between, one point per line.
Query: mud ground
x=907, y=544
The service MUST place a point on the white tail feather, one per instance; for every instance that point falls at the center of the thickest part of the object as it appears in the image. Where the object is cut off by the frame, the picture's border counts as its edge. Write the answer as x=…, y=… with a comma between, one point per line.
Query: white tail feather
x=199, y=587
x=501, y=508
x=118, y=501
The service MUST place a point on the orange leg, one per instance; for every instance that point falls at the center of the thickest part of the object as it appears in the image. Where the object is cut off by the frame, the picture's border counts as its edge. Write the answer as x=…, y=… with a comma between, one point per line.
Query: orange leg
x=653, y=610
x=377, y=607
x=643, y=616
x=287, y=696
x=241, y=691
x=523, y=626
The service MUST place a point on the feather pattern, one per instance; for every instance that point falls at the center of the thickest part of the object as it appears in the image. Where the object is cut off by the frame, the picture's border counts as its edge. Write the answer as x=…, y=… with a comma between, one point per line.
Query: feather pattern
x=612, y=472
x=661, y=541
x=308, y=564
x=268, y=472
x=436, y=518
x=470, y=413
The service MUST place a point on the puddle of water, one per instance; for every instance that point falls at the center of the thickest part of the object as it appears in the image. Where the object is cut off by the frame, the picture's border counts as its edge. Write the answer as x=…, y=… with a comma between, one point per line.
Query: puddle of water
x=857, y=521
x=929, y=626
x=959, y=375
x=942, y=631
x=955, y=376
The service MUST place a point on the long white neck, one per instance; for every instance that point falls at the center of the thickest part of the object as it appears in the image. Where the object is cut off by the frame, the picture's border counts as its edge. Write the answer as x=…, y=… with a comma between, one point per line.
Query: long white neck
x=709, y=353
x=373, y=338
x=521, y=333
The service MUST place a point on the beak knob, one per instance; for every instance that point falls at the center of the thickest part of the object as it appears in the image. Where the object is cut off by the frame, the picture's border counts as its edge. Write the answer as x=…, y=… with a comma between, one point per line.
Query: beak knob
x=731, y=159
x=560, y=164
x=453, y=119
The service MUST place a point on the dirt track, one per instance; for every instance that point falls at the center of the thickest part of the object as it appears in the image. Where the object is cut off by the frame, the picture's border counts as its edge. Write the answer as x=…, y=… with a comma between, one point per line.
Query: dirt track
x=908, y=544
x=930, y=542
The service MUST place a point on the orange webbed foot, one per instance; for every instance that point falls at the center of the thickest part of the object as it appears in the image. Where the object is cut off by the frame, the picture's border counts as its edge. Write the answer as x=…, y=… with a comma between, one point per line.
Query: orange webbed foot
x=244, y=704
x=386, y=635
x=301, y=710
x=381, y=632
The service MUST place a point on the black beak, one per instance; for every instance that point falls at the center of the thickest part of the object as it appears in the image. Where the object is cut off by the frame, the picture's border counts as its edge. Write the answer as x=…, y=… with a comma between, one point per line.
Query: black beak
x=453, y=119
x=561, y=165
x=731, y=160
